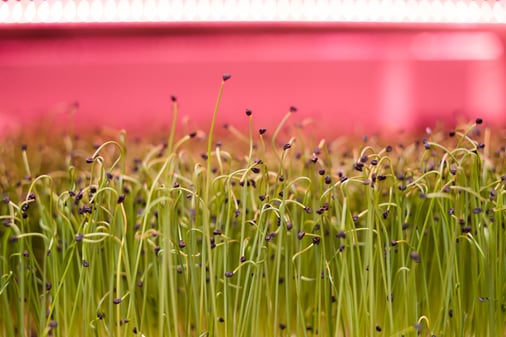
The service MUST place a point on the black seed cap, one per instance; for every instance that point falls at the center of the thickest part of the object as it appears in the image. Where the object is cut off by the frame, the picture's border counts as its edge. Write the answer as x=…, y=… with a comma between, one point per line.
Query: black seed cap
x=248, y=112
x=477, y=210
x=229, y=274
x=226, y=76
x=466, y=229
x=121, y=198
x=415, y=256
x=117, y=300
x=479, y=120
x=293, y=109
x=358, y=166
x=262, y=131
x=173, y=98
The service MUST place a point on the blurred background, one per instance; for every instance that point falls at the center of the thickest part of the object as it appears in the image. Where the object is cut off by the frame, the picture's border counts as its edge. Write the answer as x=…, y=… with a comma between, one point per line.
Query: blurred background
x=348, y=66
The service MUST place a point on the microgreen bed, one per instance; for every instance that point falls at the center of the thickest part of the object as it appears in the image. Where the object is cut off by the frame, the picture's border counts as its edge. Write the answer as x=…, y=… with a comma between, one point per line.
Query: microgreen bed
x=261, y=233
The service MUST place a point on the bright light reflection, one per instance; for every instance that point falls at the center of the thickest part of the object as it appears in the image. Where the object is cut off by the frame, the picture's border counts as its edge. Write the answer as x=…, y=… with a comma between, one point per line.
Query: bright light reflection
x=83, y=11
x=123, y=13
x=4, y=12
x=499, y=14
x=412, y=7
x=137, y=10
x=96, y=10
x=474, y=12
x=176, y=10
x=109, y=10
x=57, y=11
x=16, y=12
x=486, y=12
x=69, y=11
x=390, y=11
x=43, y=12
x=163, y=11
x=30, y=12
x=150, y=9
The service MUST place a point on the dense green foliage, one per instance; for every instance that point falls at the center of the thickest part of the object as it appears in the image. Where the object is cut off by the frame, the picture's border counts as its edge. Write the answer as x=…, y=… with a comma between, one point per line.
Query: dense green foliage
x=255, y=238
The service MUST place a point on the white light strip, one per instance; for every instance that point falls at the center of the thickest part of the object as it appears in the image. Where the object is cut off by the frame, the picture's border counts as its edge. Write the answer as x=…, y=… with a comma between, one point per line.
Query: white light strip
x=331, y=11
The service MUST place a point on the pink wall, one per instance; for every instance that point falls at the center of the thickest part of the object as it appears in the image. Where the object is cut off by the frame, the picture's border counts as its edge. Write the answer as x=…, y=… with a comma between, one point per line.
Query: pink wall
x=346, y=79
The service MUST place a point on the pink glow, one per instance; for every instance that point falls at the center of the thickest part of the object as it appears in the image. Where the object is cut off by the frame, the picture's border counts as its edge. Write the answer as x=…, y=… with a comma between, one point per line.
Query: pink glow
x=346, y=80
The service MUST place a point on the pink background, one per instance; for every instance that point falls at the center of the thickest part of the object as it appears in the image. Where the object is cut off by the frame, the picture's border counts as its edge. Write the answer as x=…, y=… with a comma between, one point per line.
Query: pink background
x=345, y=78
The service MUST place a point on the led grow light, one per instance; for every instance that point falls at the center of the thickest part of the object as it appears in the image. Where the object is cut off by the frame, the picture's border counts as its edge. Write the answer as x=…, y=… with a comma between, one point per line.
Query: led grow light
x=332, y=11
